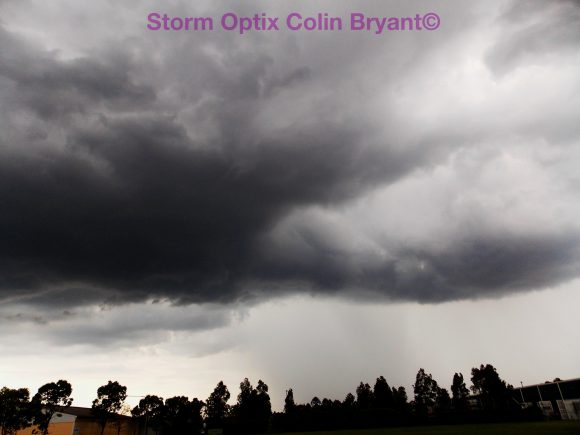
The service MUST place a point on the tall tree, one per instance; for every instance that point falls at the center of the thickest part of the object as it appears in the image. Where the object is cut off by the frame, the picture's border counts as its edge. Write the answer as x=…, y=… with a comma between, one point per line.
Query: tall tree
x=289, y=404
x=263, y=403
x=216, y=406
x=349, y=401
x=459, y=392
x=364, y=396
x=253, y=409
x=493, y=391
x=426, y=392
x=196, y=407
x=443, y=400
x=14, y=410
x=150, y=409
x=50, y=398
x=244, y=405
x=382, y=394
x=182, y=416
x=109, y=401
x=399, y=398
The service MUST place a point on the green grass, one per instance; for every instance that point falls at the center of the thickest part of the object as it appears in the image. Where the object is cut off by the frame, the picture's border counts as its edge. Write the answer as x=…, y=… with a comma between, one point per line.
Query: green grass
x=539, y=428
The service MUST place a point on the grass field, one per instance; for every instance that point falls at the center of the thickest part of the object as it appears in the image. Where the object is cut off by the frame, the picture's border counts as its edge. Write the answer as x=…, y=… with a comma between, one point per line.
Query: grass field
x=540, y=428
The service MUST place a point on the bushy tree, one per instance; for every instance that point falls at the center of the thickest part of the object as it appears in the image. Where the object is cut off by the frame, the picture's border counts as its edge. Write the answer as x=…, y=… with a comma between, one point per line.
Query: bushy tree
x=459, y=392
x=244, y=404
x=50, y=398
x=443, y=402
x=14, y=410
x=494, y=392
x=289, y=404
x=216, y=406
x=182, y=416
x=196, y=407
x=253, y=409
x=364, y=396
x=109, y=401
x=399, y=398
x=253, y=402
x=151, y=410
x=382, y=394
x=349, y=401
x=426, y=392
x=263, y=403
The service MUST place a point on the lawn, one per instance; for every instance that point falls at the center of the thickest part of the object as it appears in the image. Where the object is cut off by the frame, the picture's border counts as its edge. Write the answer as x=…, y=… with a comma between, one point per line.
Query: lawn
x=539, y=428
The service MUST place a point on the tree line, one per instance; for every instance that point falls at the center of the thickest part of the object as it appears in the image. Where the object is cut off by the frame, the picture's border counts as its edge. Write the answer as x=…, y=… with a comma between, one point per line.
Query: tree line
x=488, y=399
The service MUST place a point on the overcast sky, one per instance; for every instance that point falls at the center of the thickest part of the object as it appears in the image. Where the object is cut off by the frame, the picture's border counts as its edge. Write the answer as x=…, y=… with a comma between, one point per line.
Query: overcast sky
x=309, y=208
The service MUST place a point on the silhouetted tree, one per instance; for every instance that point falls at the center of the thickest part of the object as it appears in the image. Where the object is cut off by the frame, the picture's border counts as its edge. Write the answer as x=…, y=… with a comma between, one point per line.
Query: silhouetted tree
x=399, y=398
x=459, y=392
x=216, y=406
x=382, y=394
x=244, y=404
x=289, y=405
x=443, y=402
x=176, y=414
x=253, y=409
x=315, y=402
x=364, y=396
x=182, y=416
x=109, y=401
x=263, y=404
x=14, y=410
x=151, y=410
x=196, y=407
x=494, y=392
x=50, y=398
x=349, y=401
x=426, y=392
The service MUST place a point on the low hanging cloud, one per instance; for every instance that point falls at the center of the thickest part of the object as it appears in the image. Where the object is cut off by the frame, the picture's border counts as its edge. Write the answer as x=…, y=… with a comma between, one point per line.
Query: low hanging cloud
x=220, y=172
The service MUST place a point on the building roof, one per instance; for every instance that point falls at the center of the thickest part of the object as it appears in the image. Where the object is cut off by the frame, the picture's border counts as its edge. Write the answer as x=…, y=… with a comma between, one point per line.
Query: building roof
x=78, y=411
x=82, y=412
x=568, y=389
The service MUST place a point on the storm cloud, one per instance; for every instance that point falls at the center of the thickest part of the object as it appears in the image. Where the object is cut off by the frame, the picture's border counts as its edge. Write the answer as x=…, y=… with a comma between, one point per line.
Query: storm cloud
x=214, y=169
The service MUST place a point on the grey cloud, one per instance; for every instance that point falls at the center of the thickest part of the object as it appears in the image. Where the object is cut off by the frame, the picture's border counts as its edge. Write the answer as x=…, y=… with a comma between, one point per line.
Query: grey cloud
x=475, y=266
x=164, y=215
x=126, y=178
x=494, y=266
x=134, y=204
x=108, y=325
x=131, y=329
x=536, y=30
x=53, y=88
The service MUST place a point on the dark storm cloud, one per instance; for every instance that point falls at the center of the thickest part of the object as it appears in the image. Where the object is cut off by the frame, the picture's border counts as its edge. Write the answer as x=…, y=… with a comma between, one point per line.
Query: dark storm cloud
x=125, y=178
x=492, y=266
x=134, y=205
x=164, y=216
x=474, y=267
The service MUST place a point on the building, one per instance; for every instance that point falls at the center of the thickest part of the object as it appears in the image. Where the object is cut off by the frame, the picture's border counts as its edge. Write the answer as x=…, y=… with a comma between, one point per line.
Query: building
x=60, y=424
x=556, y=399
x=80, y=421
